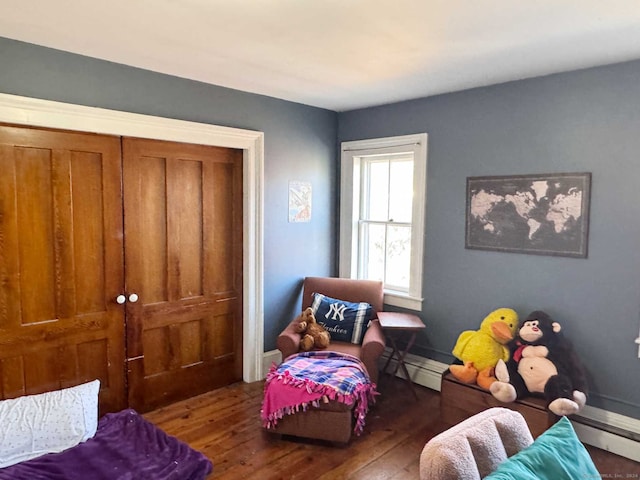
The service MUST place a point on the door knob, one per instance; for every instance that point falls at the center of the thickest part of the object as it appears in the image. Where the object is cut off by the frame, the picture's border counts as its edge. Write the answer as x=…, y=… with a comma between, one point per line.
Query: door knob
x=120, y=299
x=133, y=298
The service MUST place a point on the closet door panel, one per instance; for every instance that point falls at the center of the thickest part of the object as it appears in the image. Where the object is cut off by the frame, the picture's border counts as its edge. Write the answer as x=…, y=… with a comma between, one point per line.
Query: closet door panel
x=183, y=244
x=148, y=268
x=88, y=237
x=225, y=234
x=186, y=225
x=61, y=263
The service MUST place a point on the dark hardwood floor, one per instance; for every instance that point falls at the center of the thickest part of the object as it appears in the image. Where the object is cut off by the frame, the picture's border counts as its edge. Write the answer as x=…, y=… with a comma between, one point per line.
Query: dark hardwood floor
x=225, y=426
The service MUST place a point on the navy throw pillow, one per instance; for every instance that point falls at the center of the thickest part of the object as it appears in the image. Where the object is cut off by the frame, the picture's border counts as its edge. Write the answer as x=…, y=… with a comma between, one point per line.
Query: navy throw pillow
x=345, y=321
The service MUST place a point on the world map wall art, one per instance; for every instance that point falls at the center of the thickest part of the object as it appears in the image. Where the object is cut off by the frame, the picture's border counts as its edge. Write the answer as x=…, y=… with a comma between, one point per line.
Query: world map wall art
x=546, y=214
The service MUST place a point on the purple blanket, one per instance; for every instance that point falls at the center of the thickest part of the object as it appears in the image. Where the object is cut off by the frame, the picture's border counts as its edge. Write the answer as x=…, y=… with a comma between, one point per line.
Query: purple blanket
x=125, y=447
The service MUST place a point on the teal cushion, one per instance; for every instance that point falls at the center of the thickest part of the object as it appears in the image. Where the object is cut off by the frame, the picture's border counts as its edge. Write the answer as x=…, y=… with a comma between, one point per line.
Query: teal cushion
x=557, y=454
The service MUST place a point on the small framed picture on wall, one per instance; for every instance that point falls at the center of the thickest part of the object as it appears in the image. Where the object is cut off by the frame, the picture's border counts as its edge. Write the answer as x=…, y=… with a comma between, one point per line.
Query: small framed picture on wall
x=299, y=201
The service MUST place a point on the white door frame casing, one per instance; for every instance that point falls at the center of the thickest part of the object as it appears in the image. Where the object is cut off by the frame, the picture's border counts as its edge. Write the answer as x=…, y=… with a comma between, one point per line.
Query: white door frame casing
x=44, y=113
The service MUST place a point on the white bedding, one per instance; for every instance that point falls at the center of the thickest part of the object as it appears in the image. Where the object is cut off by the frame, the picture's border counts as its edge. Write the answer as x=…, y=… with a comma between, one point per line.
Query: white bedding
x=51, y=422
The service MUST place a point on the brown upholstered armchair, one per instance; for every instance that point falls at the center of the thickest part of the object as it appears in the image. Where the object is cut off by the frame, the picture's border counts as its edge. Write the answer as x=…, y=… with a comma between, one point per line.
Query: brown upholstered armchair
x=332, y=421
x=350, y=290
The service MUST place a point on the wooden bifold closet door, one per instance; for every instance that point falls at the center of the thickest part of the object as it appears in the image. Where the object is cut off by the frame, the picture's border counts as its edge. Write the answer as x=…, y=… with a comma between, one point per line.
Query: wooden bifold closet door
x=61, y=262
x=67, y=253
x=183, y=244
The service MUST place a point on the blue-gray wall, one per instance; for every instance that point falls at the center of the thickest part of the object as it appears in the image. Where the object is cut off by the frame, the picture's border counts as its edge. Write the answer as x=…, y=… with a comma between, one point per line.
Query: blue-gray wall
x=300, y=144
x=580, y=121
x=584, y=121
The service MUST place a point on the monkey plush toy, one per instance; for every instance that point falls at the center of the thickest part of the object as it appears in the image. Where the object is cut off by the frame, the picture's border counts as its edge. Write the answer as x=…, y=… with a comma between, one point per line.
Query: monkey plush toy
x=542, y=363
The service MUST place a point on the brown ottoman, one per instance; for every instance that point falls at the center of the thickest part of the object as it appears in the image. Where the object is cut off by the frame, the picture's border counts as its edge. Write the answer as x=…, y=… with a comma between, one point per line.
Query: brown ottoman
x=317, y=395
x=332, y=421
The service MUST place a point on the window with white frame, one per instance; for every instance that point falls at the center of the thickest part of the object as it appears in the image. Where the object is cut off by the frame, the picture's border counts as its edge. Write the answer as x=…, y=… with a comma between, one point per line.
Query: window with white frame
x=382, y=214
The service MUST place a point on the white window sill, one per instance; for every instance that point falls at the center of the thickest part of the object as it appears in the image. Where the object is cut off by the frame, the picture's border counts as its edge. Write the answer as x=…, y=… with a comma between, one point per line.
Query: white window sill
x=402, y=300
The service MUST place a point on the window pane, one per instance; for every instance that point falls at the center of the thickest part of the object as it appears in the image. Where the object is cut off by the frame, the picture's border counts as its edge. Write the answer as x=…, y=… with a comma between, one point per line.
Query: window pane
x=398, y=257
x=373, y=252
x=377, y=201
x=401, y=190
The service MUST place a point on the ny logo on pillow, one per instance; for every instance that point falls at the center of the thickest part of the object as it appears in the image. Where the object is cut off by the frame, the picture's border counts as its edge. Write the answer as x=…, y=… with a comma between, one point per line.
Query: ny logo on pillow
x=336, y=311
x=345, y=321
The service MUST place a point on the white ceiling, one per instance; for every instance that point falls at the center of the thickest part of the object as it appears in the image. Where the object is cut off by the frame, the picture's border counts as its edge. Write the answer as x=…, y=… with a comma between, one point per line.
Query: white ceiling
x=337, y=54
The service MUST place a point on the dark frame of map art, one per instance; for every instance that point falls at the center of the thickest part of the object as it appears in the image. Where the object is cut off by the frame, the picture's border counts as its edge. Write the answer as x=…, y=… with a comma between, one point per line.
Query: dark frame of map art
x=543, y=214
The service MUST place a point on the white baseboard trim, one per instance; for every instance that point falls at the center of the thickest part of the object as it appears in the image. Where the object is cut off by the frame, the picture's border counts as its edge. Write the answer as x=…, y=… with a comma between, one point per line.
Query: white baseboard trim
x=427, y=372
x=625, y=447
x=268, y=359
x=423, y=371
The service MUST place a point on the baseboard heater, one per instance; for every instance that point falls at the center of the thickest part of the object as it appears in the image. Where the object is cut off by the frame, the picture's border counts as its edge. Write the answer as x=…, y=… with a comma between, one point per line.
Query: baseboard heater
x=603, y=429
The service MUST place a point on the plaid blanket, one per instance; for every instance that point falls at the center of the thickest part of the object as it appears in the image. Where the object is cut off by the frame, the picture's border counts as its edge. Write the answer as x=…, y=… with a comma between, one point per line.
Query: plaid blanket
x=305, y=379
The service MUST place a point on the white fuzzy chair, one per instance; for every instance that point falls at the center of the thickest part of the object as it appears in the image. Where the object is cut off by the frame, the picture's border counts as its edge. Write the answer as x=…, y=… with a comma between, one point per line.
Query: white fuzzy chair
x=476, y=446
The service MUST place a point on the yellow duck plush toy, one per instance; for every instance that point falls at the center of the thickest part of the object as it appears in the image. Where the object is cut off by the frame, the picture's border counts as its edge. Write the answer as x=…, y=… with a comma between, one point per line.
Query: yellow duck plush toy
x=480, y=350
